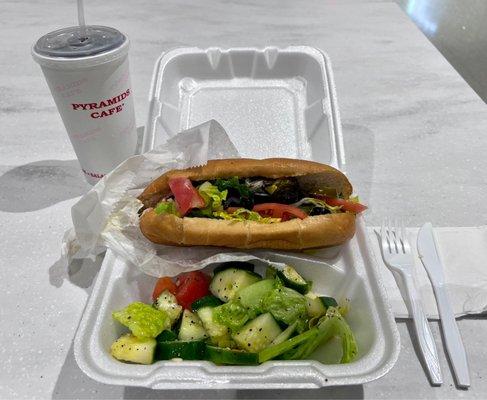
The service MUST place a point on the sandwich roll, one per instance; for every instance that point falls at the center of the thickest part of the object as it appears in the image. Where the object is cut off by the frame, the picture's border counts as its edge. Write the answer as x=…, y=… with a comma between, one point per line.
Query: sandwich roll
x=246, y=203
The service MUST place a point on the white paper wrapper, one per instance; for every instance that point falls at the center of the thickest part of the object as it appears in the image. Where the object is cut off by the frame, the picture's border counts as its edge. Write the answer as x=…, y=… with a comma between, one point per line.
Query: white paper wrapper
x=107, y=216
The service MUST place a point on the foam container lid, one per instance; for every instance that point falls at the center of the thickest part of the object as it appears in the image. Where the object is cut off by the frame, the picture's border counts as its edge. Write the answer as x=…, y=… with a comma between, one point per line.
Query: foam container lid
x=272, y=102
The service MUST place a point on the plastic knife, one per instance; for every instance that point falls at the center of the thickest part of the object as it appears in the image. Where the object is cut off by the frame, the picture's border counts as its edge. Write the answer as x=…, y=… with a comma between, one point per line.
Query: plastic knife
x=429, y=255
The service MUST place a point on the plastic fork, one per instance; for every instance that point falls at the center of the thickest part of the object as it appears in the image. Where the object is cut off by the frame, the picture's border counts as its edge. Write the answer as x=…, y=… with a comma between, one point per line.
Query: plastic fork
x=397, y=255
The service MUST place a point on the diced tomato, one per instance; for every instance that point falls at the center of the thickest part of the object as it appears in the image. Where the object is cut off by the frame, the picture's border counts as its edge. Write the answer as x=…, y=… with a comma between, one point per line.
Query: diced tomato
x=231, y=210
x=162, y=284
x=185, y=194
x=191, y=286
x=347, y=205
x=277, y=210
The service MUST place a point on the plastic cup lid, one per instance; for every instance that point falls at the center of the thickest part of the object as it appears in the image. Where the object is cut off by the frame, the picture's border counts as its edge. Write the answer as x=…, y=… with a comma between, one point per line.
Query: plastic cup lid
x=80, y=47
x=79, y=42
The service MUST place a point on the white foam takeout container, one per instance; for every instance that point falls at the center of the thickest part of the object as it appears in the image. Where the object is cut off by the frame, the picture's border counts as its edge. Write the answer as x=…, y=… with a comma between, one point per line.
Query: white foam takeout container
x=272, y=102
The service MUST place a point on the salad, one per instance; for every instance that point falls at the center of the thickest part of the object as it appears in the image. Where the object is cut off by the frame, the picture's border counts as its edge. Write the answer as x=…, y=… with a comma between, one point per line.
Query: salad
x=237, y=317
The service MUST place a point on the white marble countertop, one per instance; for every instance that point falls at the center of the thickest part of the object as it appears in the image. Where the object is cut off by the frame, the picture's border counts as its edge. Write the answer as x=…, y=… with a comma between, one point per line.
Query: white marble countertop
x=414, y=137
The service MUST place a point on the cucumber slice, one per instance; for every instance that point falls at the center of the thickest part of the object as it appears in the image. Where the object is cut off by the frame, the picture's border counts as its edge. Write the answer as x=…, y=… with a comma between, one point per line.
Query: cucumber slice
x=228, y=356
x=167, y=302
x=166, y=336
x=219, y=334
x=317, y=306
x=293, y=280
x=257, y=334
x=251, y=296
x=329, y=301
x=227, y=283
x=246, y=266
x=134, y=349
x=207, y=301
x=286, y=334
x=314, y=306
x=191, y=327
x=186, y=350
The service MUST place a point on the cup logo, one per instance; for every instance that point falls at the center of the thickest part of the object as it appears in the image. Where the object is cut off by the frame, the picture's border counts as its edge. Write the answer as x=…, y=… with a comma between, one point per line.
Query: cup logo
x=110, y=106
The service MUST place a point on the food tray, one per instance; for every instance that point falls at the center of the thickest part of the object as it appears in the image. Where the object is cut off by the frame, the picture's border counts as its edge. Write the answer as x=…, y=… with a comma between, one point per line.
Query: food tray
x=309, y=126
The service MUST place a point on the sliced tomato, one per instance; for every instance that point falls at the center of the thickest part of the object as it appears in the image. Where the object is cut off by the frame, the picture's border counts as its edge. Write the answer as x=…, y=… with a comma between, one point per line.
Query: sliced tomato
x=277, y=210
x=162, y=284
x=347, y=205
x=191, y=286
x=185, y=194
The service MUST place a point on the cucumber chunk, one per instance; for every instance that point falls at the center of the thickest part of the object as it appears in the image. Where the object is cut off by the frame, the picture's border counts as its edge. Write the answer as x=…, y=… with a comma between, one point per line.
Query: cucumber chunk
x=219, y=334
x=314, y=306
x=194, y=350
x=167, y=302
x=227, y=283
x=293, y=280
x=134, y=349
x=166, y=336
x=251, y=296
x=317, y=306
x=206, y=301
x=257, y=334
x=246, y=266
x=329, y=301
x=191, y=327
x=228, y=356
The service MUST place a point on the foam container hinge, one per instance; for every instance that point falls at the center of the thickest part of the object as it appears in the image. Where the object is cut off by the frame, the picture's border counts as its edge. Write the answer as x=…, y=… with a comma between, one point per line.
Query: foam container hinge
x=272, y=102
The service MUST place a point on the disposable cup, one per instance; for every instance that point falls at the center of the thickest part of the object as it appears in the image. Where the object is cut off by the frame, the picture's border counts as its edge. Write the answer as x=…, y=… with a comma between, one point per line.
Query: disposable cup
x=87, y=71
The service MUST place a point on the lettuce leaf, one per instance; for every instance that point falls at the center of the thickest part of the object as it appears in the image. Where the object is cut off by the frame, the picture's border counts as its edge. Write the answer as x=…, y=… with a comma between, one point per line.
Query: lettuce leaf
x=331, y=324
x=234, y=183
x=287, y=346
x=239, y=193
x=232, y=314
x=286, y=305
x=213, y=198
x=242, y=214
x=143, y=320
x=166, y=207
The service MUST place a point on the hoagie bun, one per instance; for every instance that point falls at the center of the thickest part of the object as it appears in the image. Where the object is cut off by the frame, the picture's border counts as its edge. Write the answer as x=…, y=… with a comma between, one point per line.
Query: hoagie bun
x=314, y=231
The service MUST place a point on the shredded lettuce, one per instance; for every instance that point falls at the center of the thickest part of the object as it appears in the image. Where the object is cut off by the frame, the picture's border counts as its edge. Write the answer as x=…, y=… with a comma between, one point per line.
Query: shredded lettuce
x=143, y=320
x=242, y=214
x=213, y=198
x=166, y=207
x=311, y=201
